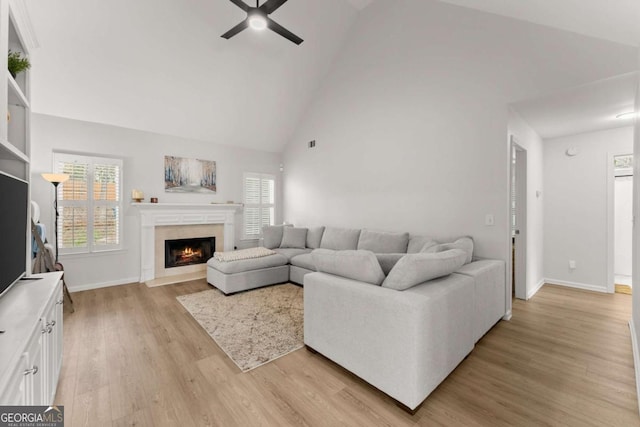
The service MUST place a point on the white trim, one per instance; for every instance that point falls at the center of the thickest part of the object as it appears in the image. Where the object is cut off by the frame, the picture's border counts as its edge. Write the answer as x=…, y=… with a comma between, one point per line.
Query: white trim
x=636, y=356
x=507, y=315
x=584, y=286
x=24, y=23
x=90, y=286
x=536, y=288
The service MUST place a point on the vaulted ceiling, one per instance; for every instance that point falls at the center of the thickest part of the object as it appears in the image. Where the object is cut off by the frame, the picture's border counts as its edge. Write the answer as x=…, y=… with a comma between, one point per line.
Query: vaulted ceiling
x=161, y=66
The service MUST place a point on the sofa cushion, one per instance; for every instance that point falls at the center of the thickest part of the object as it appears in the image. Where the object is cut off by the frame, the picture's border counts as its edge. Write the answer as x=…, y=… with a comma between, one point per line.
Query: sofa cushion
x=272, y=235
x=289, y=253
x=294, y=237
x=275, y=260
x=382, y=242
x=420, y=243
x=463, y=243
x=314, y=236
x=340, y=239
x=357, y=265
x=414, y=269
x=304, y=261
x=388, y=261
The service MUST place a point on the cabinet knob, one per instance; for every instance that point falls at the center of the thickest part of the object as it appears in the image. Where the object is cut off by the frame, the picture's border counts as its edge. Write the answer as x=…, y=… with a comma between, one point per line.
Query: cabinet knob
x=60, y=301
x=32, y=371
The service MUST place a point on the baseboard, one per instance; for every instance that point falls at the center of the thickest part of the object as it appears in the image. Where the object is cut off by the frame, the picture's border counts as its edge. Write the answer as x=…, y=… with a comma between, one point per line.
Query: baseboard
x=507, y=315
x=535, y=290
x=90, y=286
x=577, y=285
x=636, y=357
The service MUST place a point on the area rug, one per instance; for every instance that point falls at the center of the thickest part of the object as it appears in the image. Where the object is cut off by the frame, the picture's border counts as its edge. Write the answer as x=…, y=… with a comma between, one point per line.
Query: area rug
x=253, y=327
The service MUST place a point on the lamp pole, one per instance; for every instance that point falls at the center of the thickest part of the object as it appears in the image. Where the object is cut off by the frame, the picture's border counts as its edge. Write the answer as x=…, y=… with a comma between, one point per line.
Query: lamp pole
x=56, y=179
x=55, y=208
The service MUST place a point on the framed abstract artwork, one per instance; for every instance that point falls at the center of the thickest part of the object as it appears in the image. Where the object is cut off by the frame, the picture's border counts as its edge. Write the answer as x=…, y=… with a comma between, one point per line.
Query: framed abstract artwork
x=189, y=175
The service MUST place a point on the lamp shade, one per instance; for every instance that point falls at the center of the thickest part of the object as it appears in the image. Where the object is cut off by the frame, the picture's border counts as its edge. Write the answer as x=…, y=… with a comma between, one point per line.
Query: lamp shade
x=55, y=178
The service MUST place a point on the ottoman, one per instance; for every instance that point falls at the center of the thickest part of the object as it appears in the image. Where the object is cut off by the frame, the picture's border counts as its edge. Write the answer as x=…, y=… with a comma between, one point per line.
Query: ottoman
x=242, y=275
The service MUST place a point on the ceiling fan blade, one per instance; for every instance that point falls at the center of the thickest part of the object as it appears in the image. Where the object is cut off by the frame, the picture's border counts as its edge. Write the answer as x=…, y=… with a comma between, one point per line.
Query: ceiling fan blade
x=242, y=5
x=271, y=6
x=274, y=26
x=235, y=30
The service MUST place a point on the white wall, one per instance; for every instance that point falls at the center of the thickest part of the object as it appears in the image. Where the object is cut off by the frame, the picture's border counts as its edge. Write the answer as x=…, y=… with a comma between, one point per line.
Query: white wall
x=635, y=321
x=143, y=155
x=623, y=209
x=411, y=122
x=576, y=206
x=528, y=139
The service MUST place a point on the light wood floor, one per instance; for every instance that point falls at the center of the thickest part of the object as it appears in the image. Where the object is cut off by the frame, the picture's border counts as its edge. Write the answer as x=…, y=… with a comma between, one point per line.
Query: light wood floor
x=134, y=356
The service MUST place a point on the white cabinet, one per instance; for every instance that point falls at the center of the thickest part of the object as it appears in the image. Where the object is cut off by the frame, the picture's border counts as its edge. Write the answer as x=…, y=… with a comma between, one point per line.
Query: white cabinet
x=31, y=346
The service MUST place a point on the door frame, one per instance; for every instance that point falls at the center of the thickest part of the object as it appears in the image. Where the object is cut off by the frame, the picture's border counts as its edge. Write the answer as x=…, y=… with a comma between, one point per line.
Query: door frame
x=611, y=215
x=521, y=215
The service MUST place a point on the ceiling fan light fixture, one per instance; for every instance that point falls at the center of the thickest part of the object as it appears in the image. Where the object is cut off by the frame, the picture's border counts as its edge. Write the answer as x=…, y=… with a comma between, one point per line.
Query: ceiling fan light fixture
x=257, y=22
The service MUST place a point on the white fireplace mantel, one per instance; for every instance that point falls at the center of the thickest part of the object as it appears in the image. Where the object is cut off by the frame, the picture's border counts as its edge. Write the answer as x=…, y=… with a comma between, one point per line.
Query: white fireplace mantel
x=160, y=214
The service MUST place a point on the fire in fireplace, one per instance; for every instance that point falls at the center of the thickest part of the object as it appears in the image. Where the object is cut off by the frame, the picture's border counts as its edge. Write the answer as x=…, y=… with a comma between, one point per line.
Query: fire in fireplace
x=181, y=252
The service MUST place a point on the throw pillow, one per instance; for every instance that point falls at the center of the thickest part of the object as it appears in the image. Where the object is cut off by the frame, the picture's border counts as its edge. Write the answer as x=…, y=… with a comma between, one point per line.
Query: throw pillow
x=356, y=265
x=414, y=269
x=314, y=237
x=463, y=243
x=340, y=239
x=419, y=244
x=383, y=242
x=272, y=235
x=293, y=237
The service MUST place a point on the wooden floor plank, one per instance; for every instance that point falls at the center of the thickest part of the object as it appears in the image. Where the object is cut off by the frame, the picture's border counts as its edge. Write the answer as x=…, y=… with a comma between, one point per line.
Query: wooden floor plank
x=134, y=356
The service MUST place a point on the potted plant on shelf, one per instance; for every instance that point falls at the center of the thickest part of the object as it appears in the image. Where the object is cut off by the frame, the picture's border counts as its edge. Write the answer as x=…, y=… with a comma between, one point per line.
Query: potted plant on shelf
x=17, y=63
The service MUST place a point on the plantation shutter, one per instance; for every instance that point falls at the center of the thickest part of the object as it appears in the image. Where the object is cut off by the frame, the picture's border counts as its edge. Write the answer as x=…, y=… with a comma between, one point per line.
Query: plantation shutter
x=259, y=203
x=89, y=203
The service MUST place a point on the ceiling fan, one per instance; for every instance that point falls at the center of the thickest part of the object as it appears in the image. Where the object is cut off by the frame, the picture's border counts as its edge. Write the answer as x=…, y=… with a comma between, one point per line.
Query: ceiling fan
x=258, y=19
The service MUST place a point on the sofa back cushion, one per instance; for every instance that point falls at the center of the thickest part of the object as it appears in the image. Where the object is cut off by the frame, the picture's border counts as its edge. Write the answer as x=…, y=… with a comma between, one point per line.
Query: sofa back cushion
x=419, y=244
x=314, y=237
x=464, y=243
x=413, y=269
x=356, y=265
x=294, y=237
x=382, y=242
x=272, y=235
x=340, y=239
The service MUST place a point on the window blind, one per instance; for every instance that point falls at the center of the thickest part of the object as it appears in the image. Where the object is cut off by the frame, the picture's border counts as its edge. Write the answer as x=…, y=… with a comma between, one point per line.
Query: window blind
x=90, y=203
x=259, y=203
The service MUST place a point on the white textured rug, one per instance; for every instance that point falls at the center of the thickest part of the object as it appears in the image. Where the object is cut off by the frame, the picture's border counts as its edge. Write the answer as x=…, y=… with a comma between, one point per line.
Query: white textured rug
x=253, y=327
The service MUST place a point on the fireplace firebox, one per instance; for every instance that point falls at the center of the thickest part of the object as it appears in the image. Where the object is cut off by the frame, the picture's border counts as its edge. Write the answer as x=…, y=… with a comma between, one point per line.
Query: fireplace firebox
x=181, y=252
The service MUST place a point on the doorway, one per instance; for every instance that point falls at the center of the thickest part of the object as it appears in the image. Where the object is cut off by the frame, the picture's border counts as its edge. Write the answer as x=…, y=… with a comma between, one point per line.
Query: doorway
x=518, y=220
x=622, y=222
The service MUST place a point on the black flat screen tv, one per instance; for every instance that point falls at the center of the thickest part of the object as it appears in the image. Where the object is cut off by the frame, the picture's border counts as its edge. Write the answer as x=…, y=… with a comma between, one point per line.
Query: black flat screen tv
x=14, y=199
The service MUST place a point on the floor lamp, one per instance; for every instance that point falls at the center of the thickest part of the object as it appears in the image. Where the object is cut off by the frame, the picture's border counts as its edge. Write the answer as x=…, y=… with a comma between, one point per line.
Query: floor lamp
x=55, y=179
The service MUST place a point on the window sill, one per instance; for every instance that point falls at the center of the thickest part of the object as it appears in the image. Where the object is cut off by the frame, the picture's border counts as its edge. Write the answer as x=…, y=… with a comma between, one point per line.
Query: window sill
x=108, y=252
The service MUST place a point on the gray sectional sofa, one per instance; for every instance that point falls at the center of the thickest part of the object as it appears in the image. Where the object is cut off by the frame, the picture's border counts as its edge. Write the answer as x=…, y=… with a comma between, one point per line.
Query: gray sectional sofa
x=399, y=311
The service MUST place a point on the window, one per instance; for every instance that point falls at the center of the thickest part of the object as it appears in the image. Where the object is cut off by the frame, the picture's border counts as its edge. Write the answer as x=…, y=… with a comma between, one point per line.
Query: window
x=90, y=203
x=259, y=203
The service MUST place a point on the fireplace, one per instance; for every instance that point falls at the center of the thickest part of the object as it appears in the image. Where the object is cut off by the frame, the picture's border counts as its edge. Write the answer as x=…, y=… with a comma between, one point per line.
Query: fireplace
x=181, y=252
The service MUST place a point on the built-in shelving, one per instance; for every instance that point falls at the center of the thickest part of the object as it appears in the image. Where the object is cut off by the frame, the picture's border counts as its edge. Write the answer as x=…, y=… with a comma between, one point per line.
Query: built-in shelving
x=9, y=152
x=16, y=96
